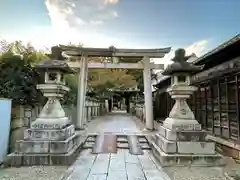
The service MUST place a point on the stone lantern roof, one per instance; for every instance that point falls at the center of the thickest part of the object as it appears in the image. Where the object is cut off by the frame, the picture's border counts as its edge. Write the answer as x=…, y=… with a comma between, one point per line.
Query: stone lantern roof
x=180, y=64
x=57, y=65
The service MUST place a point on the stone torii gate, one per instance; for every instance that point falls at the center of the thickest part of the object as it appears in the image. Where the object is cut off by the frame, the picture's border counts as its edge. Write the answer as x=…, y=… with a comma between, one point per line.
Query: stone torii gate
x=146, y=66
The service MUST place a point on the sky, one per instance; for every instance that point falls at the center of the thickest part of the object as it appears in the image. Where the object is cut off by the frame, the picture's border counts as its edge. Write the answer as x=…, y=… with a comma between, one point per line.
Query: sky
x=197, y=25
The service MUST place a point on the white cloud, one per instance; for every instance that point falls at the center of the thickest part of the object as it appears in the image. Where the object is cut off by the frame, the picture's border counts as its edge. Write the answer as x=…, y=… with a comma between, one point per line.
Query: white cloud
x=76, y=13
x=198, y=48
x=111, y=1
x=79, y=21
x=75, y=21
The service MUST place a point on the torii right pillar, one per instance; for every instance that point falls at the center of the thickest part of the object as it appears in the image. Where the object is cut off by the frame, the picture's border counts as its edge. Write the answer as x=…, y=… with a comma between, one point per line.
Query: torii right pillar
x=148, y=93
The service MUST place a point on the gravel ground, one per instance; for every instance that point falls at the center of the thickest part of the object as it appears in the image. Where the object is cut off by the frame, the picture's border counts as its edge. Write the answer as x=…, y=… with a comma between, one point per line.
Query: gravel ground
x=184, y=173
x=33, y=173
x=204, y=173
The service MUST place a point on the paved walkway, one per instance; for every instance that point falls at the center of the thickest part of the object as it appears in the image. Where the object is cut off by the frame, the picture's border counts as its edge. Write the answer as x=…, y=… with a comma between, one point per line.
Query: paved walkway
x=117, y=122
x=119, y=166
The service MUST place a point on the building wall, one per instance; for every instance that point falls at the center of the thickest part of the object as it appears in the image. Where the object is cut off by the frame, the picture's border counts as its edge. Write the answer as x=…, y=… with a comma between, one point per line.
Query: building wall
x=162, y=105
x=216, y=106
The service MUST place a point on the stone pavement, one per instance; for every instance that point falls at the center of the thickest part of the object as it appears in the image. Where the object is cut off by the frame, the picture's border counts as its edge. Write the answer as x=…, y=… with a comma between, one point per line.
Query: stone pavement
x=121, y=165
x=117, y=122
x=118, y=166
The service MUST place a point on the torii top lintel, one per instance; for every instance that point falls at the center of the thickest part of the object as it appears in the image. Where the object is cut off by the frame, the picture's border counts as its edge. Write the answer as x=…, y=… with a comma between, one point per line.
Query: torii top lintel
x=114, y=52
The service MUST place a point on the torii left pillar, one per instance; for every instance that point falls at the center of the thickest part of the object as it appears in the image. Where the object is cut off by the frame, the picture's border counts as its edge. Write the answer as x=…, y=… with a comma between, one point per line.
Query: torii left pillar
x=147, y=80
x=81, y=93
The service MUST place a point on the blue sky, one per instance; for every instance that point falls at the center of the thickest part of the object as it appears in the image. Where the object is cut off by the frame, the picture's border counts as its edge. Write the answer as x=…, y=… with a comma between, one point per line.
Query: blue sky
x=198, y=25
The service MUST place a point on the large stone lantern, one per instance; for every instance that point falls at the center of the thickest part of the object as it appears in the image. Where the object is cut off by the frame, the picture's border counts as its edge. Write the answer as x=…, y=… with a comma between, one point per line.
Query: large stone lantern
x=181, y=140
x=52, y=115
x=51, y=139
x=181, y=116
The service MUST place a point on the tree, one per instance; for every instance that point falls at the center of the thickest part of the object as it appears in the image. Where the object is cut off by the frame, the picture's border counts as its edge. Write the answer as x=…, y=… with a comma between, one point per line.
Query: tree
x=18, y=80
x=137, y=73
x=71, y=97
x=103, y=79
x=18, y=77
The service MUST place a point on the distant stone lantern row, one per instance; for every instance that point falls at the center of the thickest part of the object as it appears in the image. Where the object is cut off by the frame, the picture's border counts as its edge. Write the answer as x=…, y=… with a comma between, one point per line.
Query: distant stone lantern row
x=92, y=108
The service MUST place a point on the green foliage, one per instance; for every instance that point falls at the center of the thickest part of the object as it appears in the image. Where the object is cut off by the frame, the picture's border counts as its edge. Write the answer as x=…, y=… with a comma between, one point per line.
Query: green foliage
x=18, y=80
x=71, y=97
x=103, y=79
x=18, y=77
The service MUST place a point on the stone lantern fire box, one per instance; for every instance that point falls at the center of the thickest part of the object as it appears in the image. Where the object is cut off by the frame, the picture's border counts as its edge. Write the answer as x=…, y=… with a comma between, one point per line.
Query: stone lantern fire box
x=51, y=139
x=181, y=140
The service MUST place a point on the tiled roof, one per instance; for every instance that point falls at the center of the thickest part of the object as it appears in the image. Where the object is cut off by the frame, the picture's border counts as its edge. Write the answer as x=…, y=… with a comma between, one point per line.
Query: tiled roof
x=219, y=48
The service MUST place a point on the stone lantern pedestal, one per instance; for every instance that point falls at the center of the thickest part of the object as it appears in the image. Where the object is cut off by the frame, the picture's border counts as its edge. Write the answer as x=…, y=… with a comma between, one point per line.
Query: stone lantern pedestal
x=51, y=139
x=181, y=140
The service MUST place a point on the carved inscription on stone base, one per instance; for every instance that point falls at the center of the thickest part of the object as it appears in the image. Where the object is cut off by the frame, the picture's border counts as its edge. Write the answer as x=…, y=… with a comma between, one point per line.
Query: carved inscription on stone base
x=47, y=134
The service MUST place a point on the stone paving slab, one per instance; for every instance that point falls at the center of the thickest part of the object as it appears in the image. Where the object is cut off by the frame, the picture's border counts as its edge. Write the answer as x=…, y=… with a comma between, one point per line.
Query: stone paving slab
x=134, y=171
x=130, y=158
x=97, y=177
x=117, y=175
x=119, y=166
x=101, y=164
x=117, y=163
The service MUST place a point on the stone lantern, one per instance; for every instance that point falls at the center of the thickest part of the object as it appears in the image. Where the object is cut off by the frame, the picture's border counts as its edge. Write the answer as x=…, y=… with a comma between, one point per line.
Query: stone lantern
x=180, y=90
x=51, y=139
x=181, y=140
x=52, y=114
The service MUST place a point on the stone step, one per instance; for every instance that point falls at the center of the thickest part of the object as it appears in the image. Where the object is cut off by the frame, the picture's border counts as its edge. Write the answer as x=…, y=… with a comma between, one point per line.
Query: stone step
x=145, y=146
x=88, y=145
x=166, y=145
x=122, y=139
x=123, y=145
x=142, y=140
x=178, y=159
x=91, y=139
